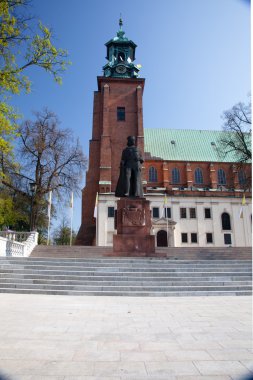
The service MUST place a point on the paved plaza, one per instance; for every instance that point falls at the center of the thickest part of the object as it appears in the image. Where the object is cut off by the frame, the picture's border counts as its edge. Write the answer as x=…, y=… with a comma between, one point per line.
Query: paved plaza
x=125, y=338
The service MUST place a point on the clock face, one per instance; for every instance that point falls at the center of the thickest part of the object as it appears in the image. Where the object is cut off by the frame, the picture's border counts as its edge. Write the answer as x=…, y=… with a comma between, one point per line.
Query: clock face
x=121, y=69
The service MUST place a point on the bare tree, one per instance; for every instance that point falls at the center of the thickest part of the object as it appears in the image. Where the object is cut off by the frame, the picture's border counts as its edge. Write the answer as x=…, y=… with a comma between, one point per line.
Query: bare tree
x=49, y=157
x=236, y=136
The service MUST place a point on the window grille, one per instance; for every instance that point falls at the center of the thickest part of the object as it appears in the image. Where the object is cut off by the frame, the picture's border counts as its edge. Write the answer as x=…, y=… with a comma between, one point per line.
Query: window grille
x=192, y=213
x=184, y=237
x=167, y=212
x=183, y=213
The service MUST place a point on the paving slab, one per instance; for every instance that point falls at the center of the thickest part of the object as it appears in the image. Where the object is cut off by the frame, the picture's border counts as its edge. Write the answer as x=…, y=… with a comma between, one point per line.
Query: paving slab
x=125, y=338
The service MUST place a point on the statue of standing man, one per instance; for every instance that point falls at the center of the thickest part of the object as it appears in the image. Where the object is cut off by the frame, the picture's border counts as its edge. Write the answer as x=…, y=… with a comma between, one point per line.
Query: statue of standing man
x=129, y=182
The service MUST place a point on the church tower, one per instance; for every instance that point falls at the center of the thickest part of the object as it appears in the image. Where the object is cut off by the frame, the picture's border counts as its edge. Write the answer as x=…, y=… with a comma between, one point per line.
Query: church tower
x=117, y=114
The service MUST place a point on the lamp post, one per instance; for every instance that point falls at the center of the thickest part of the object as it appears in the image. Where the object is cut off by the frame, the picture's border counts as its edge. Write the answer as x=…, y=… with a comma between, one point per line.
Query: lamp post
x=33, y=188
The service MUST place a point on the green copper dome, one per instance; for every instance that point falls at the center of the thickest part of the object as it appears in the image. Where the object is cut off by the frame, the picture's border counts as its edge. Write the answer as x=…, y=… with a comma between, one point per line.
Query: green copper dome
x=120, y=56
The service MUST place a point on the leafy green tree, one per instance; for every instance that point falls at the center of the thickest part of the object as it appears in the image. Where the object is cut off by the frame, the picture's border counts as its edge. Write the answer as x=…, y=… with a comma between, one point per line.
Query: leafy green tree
x=13, y=211
x=22, y=45
x=7, y=212
x=62, y=233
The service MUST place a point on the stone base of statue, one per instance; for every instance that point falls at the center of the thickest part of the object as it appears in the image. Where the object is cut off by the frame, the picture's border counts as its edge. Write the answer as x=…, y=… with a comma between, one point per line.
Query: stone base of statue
x=133, y=224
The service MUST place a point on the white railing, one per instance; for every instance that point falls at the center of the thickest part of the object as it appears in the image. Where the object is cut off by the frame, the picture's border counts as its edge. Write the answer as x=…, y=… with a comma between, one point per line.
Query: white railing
x=20, y=244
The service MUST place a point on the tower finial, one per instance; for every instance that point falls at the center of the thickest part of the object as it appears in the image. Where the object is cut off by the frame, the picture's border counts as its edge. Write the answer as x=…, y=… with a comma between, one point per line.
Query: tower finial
x=120, y=22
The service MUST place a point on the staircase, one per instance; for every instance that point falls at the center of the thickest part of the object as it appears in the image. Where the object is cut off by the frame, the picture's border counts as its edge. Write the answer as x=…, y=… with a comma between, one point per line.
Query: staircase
x=87, y=273
x=177, y=253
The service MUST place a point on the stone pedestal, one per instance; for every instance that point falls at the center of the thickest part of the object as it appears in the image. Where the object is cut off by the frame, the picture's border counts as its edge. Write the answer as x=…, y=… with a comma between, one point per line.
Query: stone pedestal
x=133, y=224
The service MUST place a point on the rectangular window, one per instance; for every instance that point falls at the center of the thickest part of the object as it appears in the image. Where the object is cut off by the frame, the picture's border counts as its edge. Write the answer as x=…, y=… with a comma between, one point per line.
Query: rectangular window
x=209, y=237
x=183, y=213
x=207, y=213
x=192, y=213
x=227, y=239
x=121, y=115
x=155, y=212
x=184, y=237
x=194, y=237
x=110, y=212
x=167, y=212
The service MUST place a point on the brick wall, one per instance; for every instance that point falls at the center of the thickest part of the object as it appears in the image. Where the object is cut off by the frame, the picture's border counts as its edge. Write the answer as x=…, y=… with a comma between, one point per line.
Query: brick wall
x=187, y=173
x=109, y=138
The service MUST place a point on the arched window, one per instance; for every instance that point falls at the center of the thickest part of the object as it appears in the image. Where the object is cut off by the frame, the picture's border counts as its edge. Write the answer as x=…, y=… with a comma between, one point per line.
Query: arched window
x=198, y=176
x=225, y=221
x=175, y=175
x=241, y=177
x=121, y=56
x=152, y=174
x=221, y=177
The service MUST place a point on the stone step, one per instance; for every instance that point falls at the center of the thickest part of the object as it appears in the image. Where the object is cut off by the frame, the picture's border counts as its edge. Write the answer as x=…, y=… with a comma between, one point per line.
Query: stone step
x=108, y=248
x=125, y=277
x=120, y=282
x=39, y=276
x=114, y=259
x=189, y=253
x=126, y=268
x=135, y=264
x=127, y=274
x=194, y=293
x=100, y=288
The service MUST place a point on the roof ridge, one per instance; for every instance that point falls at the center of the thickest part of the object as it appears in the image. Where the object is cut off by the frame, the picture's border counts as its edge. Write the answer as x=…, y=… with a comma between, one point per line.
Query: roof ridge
x=187, y=130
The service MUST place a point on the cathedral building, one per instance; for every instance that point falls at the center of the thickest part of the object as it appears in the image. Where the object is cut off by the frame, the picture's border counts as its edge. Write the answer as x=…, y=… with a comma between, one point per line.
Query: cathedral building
x=197, y=195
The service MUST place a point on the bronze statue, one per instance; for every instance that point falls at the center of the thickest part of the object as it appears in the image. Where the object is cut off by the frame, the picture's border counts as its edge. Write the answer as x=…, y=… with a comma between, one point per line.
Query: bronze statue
x=129, y=182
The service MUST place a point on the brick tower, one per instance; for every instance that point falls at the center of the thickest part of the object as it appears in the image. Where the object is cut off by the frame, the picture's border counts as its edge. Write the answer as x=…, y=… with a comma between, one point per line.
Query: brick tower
x=117, y=113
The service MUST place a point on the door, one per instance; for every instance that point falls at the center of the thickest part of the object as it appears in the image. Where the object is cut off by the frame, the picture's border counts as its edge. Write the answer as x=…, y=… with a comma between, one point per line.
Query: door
x=162, y=239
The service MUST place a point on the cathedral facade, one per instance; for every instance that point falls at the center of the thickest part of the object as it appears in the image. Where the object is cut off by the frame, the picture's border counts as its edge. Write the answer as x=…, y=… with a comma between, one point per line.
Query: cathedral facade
x=198, y=196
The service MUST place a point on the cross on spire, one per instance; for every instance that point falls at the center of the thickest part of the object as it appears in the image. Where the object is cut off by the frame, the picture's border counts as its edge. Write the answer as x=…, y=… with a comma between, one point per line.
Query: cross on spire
x=120, y=22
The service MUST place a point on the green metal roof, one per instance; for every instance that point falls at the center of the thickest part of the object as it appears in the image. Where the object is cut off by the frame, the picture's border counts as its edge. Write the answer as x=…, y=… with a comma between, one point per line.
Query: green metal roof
x=185, y=145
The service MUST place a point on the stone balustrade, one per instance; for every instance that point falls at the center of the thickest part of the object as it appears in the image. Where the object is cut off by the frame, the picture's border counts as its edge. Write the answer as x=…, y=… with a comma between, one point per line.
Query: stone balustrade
x=20, y=244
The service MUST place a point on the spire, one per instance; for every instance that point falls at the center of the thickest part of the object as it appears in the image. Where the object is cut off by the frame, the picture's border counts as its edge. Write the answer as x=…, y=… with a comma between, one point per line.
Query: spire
x=120, y=33
x=120, y=23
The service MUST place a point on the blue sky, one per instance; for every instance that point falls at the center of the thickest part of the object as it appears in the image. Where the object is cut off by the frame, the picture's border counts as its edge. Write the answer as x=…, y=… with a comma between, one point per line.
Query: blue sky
x=195, y=56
